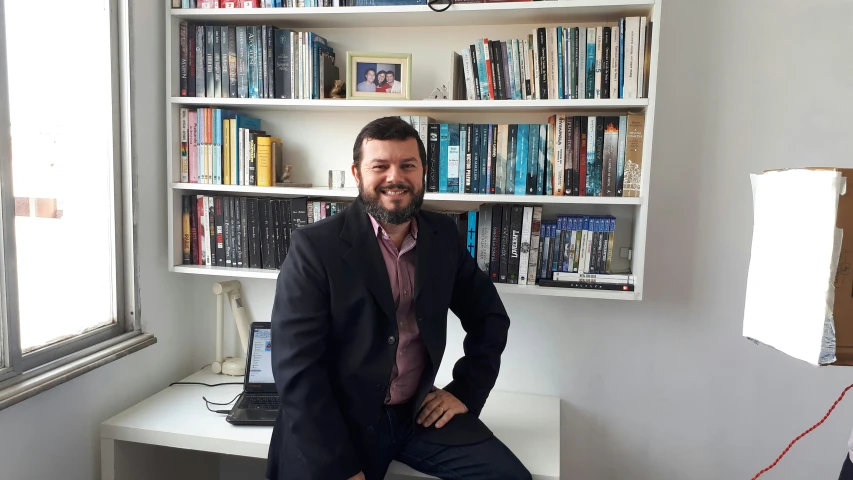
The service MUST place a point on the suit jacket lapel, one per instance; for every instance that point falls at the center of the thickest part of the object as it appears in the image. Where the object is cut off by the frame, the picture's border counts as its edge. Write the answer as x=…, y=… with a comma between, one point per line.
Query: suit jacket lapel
x=366, y=258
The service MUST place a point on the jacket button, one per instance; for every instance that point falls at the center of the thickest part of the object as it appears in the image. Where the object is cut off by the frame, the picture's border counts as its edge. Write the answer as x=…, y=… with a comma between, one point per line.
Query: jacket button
x=391, y=340
x=421, y=319
x=380, y=387
x=369, y=429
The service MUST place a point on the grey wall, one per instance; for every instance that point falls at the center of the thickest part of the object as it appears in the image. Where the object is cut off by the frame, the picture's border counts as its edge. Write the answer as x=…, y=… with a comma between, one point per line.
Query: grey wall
x=56, y=434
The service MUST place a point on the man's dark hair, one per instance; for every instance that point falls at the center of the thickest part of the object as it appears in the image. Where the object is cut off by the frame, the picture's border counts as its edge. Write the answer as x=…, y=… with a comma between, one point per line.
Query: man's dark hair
x=369, y=70
x=387, y=128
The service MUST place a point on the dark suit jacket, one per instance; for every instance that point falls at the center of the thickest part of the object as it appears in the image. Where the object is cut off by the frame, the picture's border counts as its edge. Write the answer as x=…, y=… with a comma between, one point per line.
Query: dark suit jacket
x=334, y=335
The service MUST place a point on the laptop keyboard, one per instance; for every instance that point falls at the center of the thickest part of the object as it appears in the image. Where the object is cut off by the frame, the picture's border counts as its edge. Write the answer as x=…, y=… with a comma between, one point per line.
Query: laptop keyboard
x=256, y=402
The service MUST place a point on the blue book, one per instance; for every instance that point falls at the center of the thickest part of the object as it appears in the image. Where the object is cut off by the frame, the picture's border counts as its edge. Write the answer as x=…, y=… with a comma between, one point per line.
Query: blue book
x=590, y=62
x=533, y=160
x=560, y=62
x=481, y=70
x=521, y=159
x=471, y=234
x=443, y=138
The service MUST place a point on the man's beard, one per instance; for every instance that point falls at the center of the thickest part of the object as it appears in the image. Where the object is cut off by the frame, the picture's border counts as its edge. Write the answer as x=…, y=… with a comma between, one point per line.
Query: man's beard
x=373, y=204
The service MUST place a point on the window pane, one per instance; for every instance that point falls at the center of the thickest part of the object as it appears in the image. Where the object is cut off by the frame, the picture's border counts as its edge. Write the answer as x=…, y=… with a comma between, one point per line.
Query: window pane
x=62, y=162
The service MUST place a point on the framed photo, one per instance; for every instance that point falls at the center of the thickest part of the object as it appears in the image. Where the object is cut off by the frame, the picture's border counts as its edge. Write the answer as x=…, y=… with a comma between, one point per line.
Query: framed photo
x=385, y=76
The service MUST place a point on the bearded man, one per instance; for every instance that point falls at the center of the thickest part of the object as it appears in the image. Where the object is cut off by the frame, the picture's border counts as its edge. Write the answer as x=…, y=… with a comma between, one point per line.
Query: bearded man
x=359, y=325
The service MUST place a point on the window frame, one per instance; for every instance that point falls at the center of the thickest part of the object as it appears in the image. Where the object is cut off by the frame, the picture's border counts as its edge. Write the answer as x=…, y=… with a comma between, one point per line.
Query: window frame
x=15, y=366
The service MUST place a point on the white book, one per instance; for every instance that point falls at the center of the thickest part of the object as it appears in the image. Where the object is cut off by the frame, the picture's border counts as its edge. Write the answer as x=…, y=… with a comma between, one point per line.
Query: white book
x=553, y=72
x=484, y=237
x=468, y=69
x=641, y=62
x=599, y=34
x=632, y=58
x=535, y=233
x=524, y=254
x=614, y=62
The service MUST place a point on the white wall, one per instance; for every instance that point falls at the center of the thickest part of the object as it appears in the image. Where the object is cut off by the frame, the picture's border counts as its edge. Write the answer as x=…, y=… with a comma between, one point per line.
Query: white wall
x=662, y=389
x=56, y=434
x=667, y=388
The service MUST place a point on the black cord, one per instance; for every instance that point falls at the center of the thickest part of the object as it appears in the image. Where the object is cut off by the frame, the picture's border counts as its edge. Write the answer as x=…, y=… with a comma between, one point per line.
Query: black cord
x=430, y=4
x=208, y=403
x=206, y=384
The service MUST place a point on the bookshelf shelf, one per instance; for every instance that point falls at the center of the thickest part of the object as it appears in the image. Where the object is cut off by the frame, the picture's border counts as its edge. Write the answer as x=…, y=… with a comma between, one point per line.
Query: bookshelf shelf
x=503, y=288
x=350, y=193
x=318, y=134
x=422, y=15
x=426, y=106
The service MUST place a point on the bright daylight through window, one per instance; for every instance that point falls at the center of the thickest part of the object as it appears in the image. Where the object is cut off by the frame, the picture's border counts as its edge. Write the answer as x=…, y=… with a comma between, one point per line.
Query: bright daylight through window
x=65, y=168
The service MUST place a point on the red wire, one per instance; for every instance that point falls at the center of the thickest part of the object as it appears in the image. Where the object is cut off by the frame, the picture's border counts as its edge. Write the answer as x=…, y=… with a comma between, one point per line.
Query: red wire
x=804, y=433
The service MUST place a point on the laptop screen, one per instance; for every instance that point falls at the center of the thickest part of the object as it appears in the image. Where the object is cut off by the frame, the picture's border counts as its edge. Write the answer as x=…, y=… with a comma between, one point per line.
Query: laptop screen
x=260, y=363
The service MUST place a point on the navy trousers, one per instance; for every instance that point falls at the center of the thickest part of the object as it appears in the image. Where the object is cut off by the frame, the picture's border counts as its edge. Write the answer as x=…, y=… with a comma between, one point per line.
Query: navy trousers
x=397, y=440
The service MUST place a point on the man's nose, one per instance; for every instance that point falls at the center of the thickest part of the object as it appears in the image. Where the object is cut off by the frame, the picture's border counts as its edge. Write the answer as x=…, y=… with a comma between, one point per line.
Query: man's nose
x=392, y=174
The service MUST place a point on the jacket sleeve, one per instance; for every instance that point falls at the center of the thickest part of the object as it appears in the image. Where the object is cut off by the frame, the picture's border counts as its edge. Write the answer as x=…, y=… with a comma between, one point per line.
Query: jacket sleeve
x=479, y=308
x=300, y=326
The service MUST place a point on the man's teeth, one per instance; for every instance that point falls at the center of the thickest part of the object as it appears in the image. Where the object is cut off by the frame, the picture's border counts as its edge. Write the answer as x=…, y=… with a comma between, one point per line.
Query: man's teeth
x=394, y=192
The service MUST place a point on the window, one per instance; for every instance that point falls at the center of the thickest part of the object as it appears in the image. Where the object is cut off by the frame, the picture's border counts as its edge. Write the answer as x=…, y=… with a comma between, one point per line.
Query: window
x=63, y=279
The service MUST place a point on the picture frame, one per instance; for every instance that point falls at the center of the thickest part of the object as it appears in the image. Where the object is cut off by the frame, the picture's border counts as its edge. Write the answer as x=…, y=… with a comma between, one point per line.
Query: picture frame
x=359, y=77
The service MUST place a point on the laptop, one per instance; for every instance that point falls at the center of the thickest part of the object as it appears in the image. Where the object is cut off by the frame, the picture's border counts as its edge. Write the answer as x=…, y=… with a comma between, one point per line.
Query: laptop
x=258, y=405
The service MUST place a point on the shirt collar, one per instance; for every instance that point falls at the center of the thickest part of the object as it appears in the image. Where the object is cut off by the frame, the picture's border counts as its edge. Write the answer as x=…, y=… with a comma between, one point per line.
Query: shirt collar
x=378, y=230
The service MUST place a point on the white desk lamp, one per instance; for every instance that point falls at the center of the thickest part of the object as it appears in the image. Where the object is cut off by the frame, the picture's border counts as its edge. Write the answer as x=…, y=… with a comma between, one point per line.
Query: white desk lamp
x=231, y=365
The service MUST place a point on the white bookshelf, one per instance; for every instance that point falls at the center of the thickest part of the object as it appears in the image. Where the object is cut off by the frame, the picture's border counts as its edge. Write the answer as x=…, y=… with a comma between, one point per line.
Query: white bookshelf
x=318, y=134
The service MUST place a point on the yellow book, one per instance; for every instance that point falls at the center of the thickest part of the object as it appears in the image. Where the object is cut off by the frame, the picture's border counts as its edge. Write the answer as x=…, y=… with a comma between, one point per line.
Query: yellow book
x=264, y=167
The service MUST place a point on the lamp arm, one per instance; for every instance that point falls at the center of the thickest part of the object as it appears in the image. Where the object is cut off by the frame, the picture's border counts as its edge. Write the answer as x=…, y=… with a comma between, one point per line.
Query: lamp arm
x=239, y=313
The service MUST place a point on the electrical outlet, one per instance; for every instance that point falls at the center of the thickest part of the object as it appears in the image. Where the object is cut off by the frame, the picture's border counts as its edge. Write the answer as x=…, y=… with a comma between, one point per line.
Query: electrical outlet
x=625, y=252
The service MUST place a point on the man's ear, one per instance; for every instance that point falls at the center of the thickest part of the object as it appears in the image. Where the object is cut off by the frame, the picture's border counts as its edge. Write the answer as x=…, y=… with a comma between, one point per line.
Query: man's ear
x=354, y=169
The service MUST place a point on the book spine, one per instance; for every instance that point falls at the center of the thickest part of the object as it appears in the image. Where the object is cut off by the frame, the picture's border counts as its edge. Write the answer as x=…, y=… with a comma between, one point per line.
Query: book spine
x=184, y=118
x=620, y=155
x=634, y=156
x=184, y=56
x=495, y=243
x=484, y=237
x=535, y=242
x=524, y=249
x=186, y=257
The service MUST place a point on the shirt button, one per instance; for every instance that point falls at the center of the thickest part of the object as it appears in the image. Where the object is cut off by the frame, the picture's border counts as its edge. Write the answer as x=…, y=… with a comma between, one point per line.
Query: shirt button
x=391, y=340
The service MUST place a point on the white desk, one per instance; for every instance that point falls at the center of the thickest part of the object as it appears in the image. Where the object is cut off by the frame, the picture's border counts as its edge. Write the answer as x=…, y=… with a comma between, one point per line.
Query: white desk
x=172, y=434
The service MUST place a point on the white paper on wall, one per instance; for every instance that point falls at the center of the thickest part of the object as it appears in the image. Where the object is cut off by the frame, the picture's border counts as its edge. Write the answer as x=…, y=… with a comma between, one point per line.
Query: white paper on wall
x=795, y=248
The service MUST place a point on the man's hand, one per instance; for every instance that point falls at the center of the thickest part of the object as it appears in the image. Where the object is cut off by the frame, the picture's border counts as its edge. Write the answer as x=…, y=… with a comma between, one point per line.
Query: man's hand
x=439, y=407
x=360, y=476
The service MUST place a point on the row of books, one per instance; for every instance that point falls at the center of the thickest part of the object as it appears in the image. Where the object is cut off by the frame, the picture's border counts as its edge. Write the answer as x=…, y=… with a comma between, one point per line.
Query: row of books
x=296, y=3
x=254, y=61
x=511, y=243
x=222, y=147
x=514, y=245
x=567, y=156
x=235, y=231
x=600, y=62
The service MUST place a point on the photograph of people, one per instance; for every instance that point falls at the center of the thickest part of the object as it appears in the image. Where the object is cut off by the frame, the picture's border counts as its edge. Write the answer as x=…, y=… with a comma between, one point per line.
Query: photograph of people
x=369, y=75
